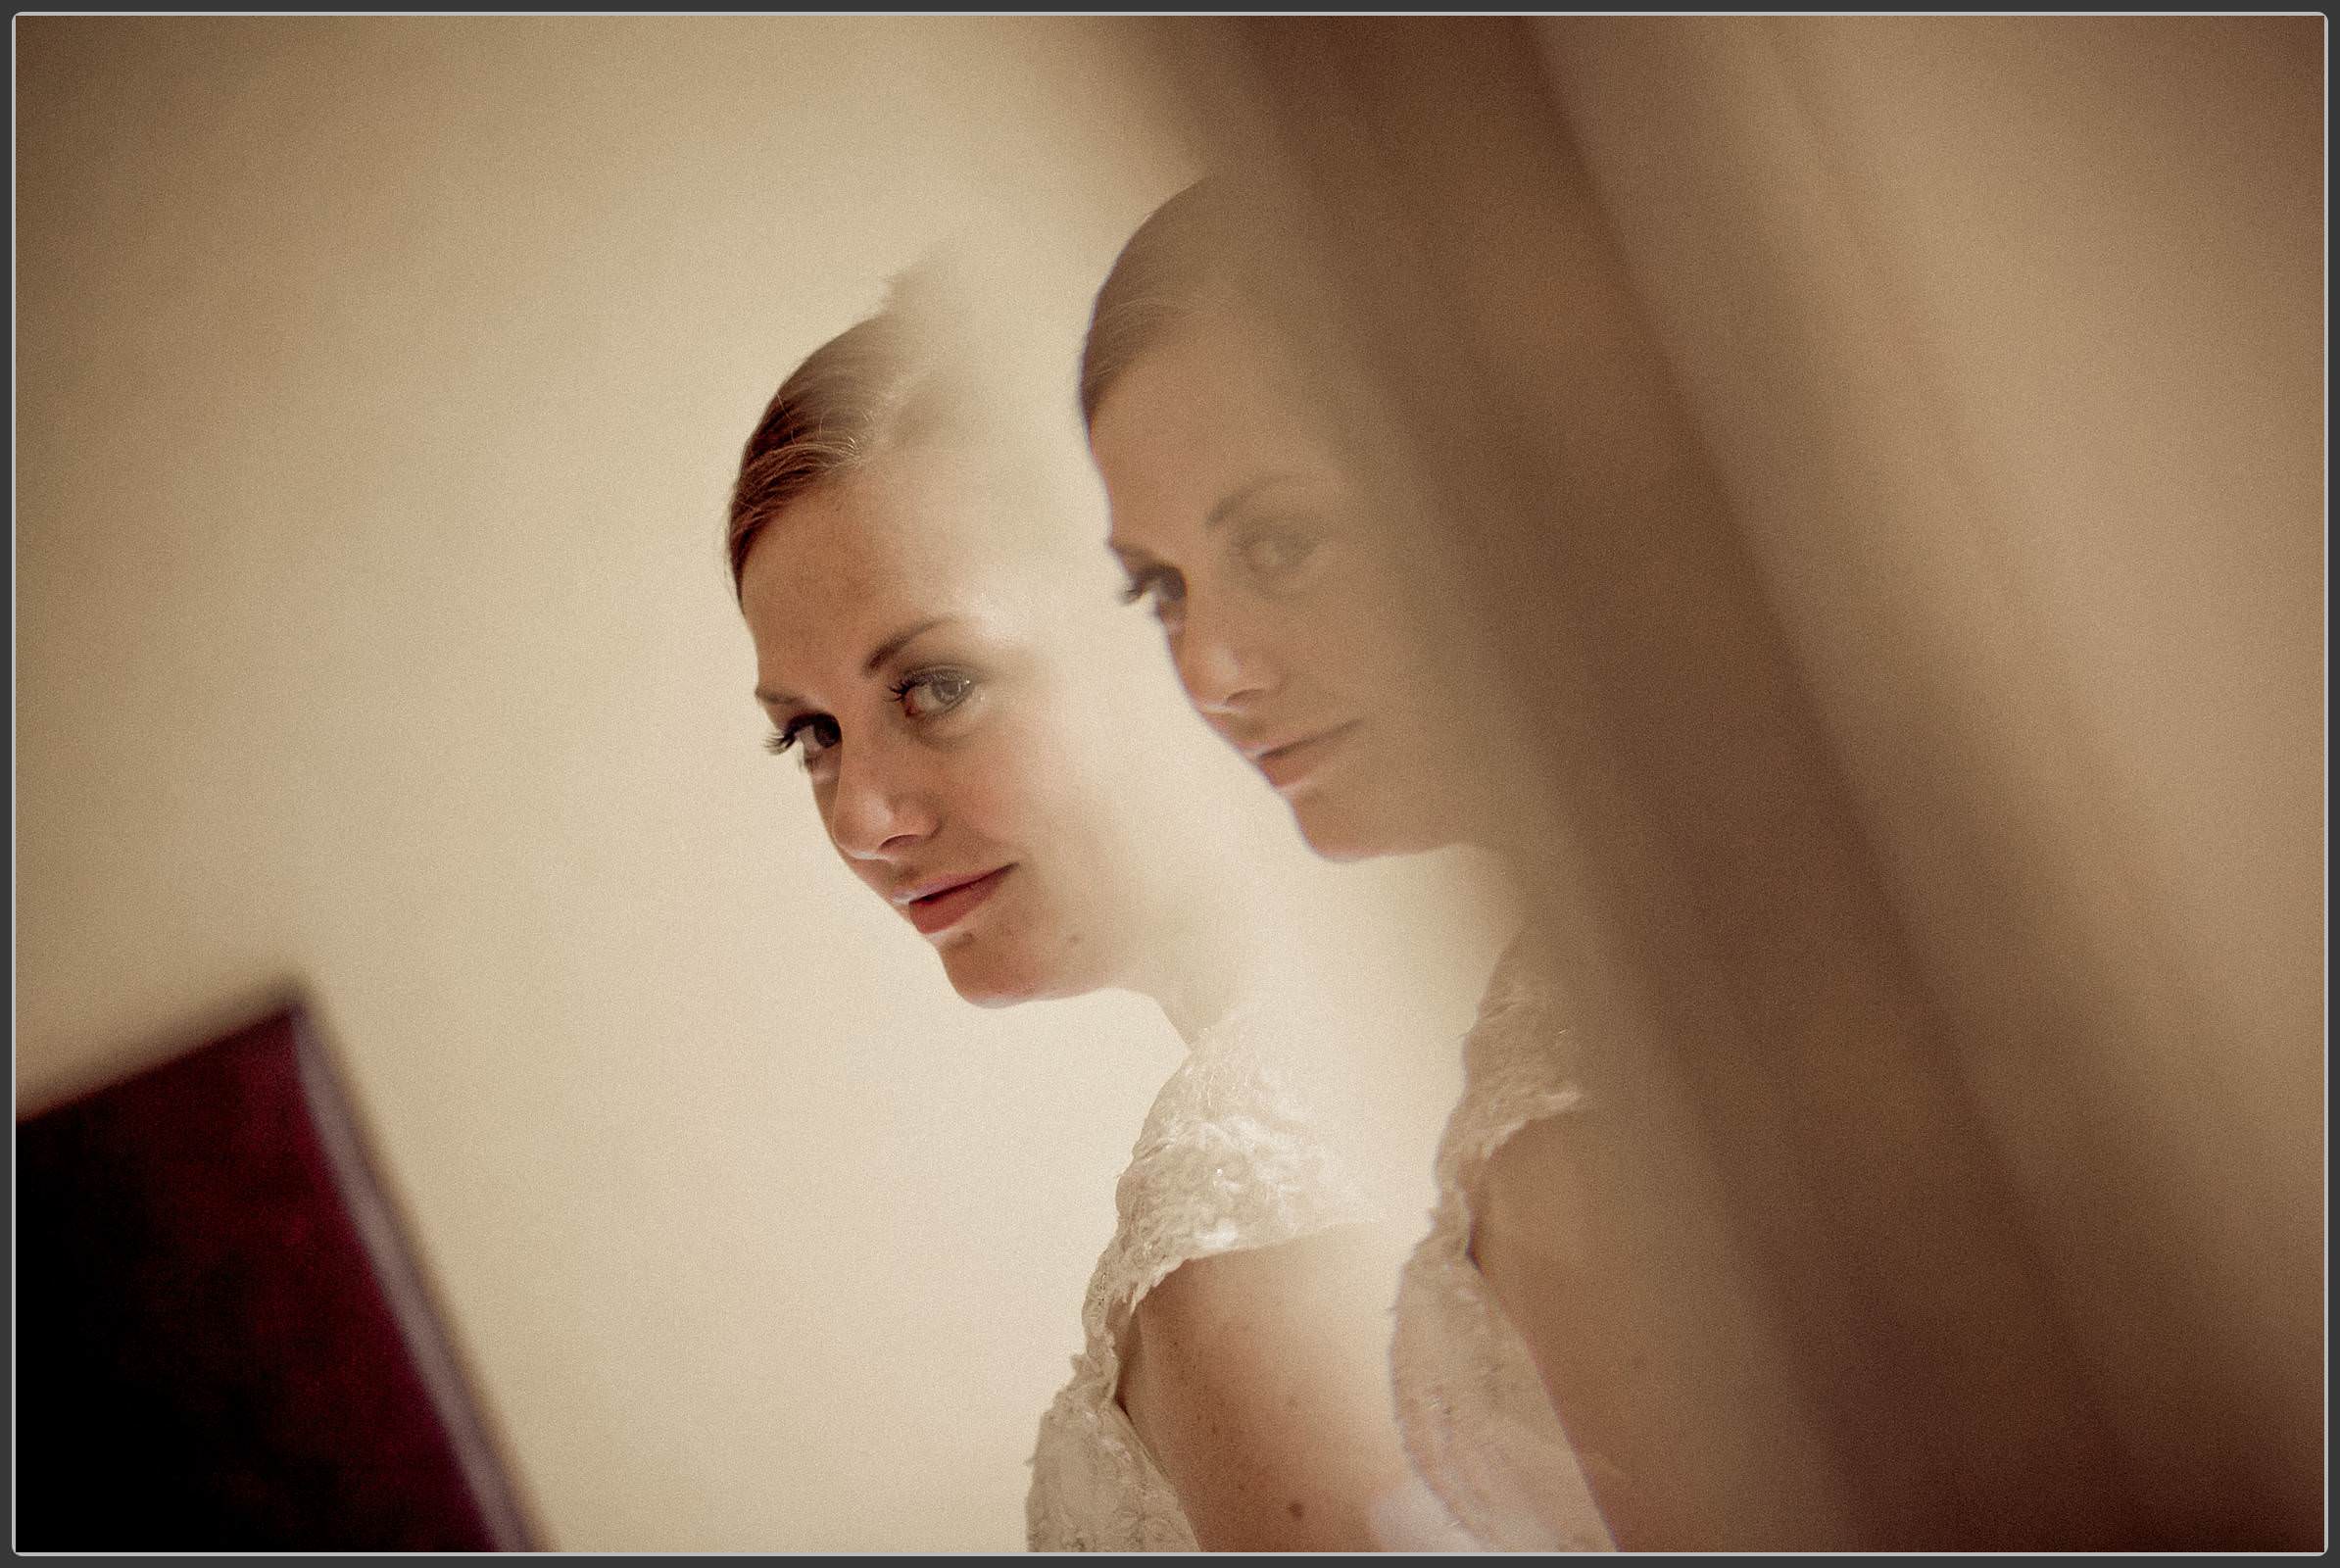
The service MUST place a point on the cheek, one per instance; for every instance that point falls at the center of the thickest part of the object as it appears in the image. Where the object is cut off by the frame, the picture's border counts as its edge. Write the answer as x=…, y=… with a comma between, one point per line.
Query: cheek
x=1338, y=632
x=1369, y=626
x=1002, y=786
x=1067, y=825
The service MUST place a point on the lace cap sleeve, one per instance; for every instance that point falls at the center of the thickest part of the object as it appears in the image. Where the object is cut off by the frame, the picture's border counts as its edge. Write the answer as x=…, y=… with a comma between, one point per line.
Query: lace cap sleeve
x=1471, y=1405
x=1240, y=1150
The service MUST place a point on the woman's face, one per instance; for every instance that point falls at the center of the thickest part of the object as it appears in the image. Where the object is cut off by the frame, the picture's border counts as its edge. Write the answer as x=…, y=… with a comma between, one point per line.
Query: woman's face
x=915, y=663
x=1286, y=608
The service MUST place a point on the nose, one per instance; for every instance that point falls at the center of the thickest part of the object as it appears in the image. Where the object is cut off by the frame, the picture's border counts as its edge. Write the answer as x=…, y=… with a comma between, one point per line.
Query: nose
x=1221, y=668
x=878, y=810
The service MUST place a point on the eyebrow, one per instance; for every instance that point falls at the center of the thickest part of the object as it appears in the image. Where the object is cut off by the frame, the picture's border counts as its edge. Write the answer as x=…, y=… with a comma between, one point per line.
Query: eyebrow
x=870, y=666
x=1218, y=516
x=900, y=640
x=1230, y=505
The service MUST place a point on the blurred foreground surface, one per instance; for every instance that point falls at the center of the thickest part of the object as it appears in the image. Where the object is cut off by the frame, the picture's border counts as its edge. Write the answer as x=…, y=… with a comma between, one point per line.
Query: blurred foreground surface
x=224, y=1345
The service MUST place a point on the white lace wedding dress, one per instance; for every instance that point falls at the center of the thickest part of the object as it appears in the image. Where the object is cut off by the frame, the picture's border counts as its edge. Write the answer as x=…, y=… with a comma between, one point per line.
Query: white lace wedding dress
x=1234, y=1154
x=1469, y=1405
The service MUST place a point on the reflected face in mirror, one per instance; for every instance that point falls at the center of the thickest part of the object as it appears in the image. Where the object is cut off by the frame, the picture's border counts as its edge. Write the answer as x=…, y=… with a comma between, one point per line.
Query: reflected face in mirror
x=912, y=662
x=1283, y=603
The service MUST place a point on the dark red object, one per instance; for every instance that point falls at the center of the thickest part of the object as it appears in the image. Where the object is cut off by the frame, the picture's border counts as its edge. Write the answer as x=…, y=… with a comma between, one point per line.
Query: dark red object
x=222, y=1341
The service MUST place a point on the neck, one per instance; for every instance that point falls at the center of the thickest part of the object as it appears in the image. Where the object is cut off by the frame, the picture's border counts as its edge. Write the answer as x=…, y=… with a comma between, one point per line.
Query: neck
x=1202, y=960
x=1193, y=1007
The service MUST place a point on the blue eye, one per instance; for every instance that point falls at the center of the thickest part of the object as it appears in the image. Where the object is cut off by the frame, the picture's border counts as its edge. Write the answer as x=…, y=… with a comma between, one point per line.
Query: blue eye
x=933, y=692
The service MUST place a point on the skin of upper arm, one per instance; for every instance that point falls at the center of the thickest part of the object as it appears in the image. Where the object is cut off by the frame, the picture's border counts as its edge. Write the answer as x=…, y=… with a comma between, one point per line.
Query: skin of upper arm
x=1648, y=1352
x=1259, y=1380
x=1536, y=1240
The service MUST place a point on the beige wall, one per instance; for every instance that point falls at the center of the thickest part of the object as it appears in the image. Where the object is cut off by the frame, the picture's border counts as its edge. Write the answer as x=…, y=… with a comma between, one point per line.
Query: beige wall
x=380, y=384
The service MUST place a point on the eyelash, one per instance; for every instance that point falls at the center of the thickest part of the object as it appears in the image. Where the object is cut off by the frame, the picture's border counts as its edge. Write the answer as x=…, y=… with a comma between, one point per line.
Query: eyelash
x=1167, y=587
x=786, y=740
x=1161, y=584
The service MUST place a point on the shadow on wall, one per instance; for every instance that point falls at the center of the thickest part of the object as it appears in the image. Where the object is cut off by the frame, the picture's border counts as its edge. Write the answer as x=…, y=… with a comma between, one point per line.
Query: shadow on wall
x=225, y=1341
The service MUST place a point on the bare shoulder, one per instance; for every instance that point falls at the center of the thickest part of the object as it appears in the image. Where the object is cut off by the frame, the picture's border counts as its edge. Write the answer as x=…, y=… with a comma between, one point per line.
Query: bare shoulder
x=1259, y=1379
x=1534, y=1203
x=1218, y=1326
x=1343, y=1266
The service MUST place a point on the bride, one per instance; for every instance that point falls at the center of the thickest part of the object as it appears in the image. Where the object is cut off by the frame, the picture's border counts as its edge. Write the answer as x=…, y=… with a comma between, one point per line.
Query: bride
x=928, y=648
x=1900, y=1383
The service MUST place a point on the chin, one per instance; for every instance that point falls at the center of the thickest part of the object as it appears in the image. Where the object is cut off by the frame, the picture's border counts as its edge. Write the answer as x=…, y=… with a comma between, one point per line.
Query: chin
x=1340, y=829
x=988, y=976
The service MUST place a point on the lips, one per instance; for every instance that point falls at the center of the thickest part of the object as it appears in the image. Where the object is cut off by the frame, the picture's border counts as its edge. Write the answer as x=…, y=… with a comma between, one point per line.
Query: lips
x=936, y=907
x=1290, y=761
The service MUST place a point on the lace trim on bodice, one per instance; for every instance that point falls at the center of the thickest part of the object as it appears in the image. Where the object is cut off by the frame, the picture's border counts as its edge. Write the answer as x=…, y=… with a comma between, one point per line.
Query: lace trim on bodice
x=1231, y=1157
x=1471, y=1405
